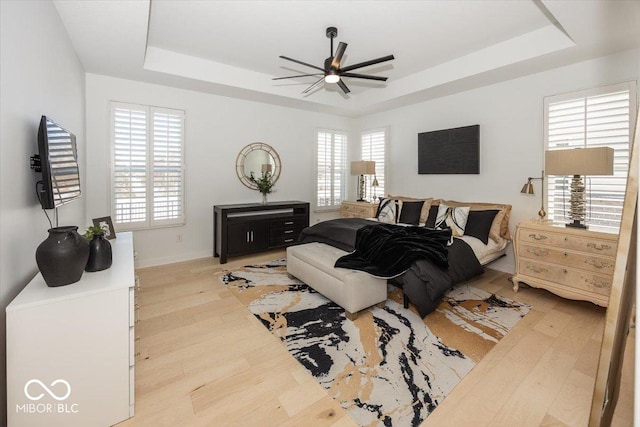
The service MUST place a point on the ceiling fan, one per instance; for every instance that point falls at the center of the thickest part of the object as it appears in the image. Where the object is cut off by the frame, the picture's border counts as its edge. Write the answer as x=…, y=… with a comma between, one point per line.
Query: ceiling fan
x=332, y=72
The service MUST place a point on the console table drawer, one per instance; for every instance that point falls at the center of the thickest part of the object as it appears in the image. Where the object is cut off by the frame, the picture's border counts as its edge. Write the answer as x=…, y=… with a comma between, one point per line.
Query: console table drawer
x=289, y=222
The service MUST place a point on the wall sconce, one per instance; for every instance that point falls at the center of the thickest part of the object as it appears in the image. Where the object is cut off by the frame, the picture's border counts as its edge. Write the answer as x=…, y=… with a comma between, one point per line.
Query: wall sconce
x=578, y=162
x=362, y=168
x=528, y=189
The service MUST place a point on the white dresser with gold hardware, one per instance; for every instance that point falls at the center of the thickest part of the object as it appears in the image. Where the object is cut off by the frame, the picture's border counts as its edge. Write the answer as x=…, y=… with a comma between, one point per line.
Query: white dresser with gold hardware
x=358, y=209
x=570, y=262
x=71, y=349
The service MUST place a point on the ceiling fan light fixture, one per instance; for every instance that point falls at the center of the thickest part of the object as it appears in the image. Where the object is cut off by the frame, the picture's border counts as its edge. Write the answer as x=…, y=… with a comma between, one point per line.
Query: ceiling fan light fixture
x=332, y=77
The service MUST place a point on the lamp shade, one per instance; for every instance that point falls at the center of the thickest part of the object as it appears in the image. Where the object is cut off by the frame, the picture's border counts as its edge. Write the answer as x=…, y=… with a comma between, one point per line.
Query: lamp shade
x=579, y=161
x=363, y=167
x=528, y=188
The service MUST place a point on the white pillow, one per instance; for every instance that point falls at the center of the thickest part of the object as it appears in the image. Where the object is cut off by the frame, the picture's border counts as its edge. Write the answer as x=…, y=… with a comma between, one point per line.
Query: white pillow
x=454, y=218
x=389, y=210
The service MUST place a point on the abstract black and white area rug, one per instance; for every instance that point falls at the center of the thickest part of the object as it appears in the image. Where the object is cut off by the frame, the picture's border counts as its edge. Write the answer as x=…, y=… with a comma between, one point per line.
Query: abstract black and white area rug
x=389, y=367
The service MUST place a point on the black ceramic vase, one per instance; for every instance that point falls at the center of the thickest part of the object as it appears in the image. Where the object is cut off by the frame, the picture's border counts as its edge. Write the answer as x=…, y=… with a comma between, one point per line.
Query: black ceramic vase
x=99, y=253
x=62, y=257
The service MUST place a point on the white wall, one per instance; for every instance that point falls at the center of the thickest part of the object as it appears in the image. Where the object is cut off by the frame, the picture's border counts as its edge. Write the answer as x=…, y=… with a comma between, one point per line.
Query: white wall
x=39, y=74
x=510, y=116
x=216, y=129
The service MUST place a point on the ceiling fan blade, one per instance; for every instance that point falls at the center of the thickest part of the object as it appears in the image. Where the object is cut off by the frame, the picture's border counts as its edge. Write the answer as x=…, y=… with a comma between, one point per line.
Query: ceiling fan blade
x=364, y=76
x=301, y=63
x=366, y=63
x=310, y=88
x=299, y=75
x=338, y=56
x=343, y=86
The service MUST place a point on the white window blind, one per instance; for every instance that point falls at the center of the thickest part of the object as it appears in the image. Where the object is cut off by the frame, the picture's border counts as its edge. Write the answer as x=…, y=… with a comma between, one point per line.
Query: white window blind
x=331, y=168
x=601, y=117
x=374, y=147
x=148, y=166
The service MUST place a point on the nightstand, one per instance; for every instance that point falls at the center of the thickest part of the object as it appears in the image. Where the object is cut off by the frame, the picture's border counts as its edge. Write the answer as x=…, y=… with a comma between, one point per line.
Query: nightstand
x=570, y=262
x=358, y=209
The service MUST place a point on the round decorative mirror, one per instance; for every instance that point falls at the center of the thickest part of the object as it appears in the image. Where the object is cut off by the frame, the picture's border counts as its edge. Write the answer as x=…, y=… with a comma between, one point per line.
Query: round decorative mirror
x=257, y=157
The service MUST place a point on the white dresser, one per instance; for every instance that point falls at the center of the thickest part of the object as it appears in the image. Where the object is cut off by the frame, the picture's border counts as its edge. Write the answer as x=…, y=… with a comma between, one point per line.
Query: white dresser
x=71, y=349
x=571, y=262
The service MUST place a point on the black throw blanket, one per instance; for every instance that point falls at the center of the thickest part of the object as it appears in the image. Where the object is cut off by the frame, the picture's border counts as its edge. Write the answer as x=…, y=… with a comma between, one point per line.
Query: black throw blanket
x=386, y=250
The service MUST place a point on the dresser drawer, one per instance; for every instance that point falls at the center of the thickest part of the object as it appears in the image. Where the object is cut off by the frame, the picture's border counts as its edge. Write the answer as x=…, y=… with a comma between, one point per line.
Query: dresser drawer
x=569, y=277
x=569, y=258
x=567, y=241
x=358, y=210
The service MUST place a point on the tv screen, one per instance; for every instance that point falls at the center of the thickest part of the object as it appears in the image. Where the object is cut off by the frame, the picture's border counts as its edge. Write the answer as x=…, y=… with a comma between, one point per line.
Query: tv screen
x=449, y=151
x=60, y=182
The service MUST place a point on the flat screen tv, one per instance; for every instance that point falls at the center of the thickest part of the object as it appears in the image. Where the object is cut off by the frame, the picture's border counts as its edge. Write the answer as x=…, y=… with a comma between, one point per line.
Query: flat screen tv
x=57, y=160
x=449, y=151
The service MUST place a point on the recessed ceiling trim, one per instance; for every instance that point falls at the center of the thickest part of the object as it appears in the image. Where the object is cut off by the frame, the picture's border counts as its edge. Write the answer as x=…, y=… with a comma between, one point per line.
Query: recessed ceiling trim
x=527, y=46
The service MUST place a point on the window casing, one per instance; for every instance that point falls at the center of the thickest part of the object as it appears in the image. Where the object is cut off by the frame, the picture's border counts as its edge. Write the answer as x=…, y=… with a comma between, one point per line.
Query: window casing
x=331, y=155
x=147, y=179
x=374, y=147
x=601, y=117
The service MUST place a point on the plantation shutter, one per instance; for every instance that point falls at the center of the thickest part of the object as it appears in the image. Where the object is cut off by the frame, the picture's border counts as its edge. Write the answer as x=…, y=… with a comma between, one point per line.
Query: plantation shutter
x=374, y=148
x=130, y=165
x=600, y=117
x=331, y=168
x=148, y=166
x=167, y=167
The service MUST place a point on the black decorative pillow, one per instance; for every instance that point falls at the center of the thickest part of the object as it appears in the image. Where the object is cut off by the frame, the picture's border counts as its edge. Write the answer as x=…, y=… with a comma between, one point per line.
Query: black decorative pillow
x=410, y=213
x=431, y=219
x=479, y=224
x=388, y=211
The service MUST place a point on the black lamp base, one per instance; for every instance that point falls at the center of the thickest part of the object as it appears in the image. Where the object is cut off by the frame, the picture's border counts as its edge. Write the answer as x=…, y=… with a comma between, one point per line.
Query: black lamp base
x=576, y=224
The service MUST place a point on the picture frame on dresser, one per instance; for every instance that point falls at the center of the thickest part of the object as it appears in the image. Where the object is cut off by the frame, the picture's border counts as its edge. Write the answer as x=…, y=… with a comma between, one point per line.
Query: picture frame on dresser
x=106, y=224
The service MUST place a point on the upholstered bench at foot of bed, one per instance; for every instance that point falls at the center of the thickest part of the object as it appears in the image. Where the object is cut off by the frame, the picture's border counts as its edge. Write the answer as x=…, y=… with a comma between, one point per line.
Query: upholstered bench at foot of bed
x=313, y=263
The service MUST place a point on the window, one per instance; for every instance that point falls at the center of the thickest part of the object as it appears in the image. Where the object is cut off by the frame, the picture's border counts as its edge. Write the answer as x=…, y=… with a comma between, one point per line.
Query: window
x=332, y=168
x=374, y=147
x=147, y=166
x=601, y=117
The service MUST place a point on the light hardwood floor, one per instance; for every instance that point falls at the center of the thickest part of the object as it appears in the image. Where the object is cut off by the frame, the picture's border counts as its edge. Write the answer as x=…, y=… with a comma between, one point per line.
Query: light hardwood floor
x=206, y=361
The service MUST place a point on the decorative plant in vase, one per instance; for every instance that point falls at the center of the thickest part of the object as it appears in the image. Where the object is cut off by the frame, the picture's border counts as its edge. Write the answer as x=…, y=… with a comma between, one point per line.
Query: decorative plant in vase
x=100, y=254
x=264, y=183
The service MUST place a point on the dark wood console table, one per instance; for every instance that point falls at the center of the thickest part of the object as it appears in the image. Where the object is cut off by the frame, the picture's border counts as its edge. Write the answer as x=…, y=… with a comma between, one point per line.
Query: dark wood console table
x=248, y=228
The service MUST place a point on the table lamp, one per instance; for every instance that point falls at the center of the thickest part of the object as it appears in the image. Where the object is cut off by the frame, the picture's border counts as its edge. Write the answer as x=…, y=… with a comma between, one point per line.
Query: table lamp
x=579, y=162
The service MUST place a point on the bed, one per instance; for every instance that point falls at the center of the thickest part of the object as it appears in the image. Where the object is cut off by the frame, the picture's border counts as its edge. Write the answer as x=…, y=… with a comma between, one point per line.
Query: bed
x=424, y=283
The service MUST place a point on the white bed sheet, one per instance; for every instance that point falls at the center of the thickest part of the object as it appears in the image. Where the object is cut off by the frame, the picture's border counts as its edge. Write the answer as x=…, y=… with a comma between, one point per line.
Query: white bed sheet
x=486, y=253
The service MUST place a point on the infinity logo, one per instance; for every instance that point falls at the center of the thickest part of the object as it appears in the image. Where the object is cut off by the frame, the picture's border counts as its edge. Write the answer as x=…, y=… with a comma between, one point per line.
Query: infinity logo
x=52, y=394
